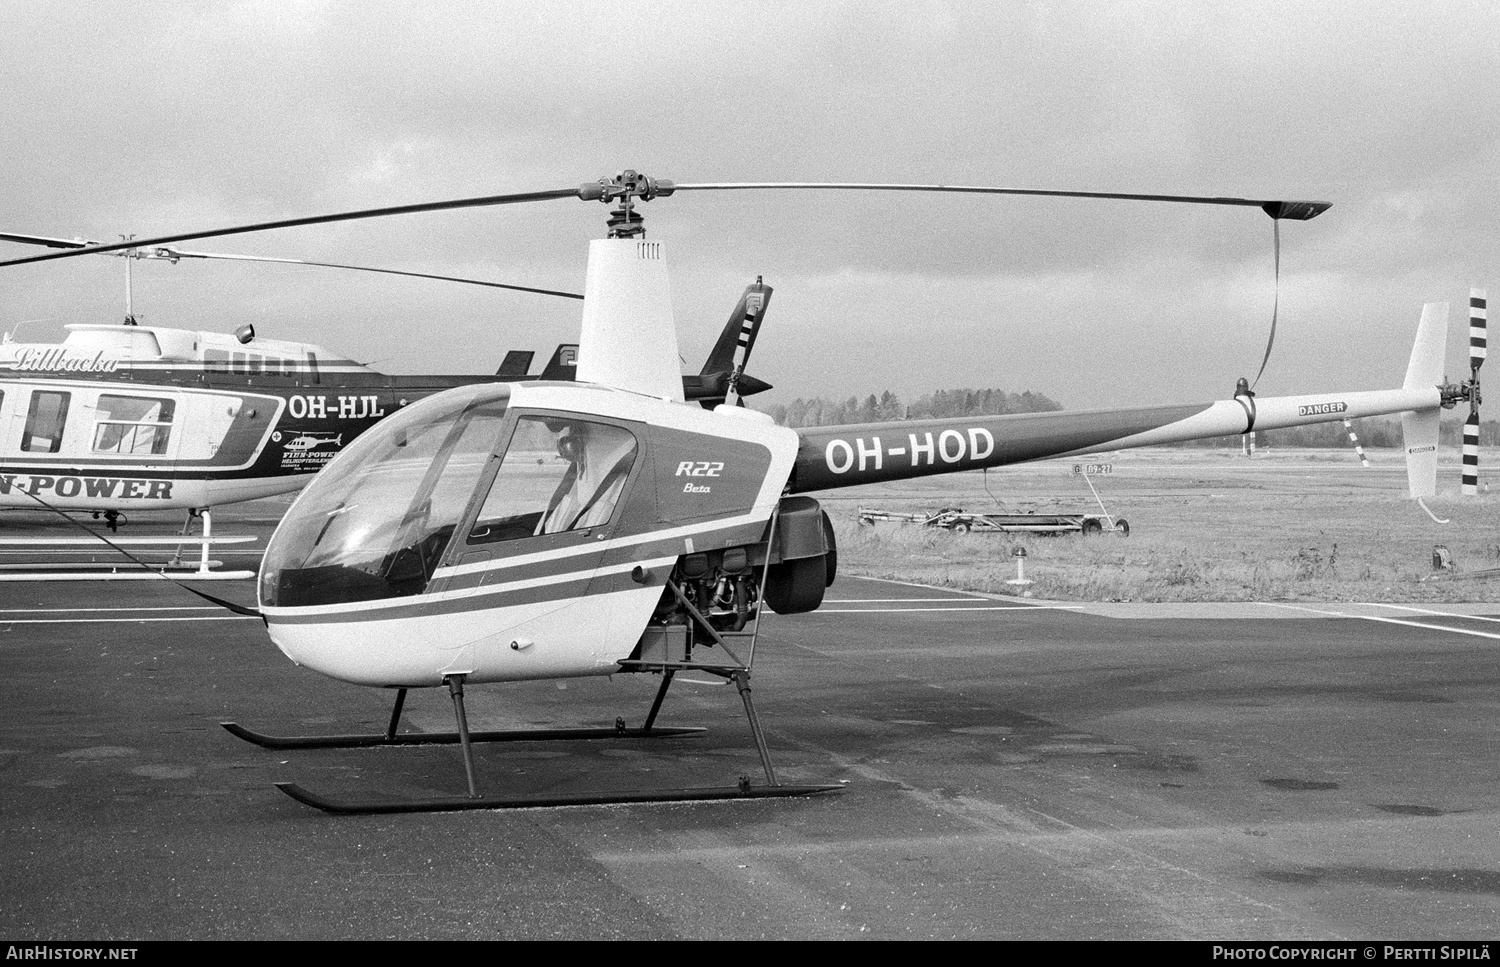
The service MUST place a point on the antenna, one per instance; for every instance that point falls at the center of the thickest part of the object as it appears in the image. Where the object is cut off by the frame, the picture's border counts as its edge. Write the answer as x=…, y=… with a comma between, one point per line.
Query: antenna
x=130, y=255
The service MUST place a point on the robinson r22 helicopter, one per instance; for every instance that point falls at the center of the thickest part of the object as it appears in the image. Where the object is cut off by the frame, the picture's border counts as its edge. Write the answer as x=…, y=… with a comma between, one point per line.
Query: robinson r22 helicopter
x=505, y=531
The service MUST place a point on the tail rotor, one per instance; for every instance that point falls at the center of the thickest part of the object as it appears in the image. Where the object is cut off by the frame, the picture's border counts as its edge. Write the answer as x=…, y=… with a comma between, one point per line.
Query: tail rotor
x=1477, y=342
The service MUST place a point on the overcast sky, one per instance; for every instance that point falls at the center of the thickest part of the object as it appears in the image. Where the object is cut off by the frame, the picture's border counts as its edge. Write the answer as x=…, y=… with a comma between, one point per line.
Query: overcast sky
x=157, y=117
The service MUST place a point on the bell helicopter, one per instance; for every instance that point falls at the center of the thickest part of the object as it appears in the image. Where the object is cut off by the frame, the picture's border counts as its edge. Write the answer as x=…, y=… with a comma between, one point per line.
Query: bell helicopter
x=505, y=531
x=119, y=418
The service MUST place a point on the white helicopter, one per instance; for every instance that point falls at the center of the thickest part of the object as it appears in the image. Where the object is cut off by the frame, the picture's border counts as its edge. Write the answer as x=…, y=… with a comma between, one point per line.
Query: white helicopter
x=504, y=531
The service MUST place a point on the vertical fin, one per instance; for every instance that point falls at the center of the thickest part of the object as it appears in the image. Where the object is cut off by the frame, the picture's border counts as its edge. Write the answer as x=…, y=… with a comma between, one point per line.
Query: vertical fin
x=1419, y=430
x=563, y=364
x=1425, y=367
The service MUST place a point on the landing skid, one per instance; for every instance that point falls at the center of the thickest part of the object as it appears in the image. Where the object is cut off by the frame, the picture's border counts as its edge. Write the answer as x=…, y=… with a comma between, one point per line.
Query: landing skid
x=179, y=568
x=372, y=740
x=391, y=737
x=348, y=807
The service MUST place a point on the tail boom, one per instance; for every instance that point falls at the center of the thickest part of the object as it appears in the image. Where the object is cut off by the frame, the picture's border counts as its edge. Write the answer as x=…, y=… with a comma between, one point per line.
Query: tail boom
x=876, y=452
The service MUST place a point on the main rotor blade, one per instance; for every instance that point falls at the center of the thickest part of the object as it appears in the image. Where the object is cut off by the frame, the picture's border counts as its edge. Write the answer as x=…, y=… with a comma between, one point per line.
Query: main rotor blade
x=432, y=206
x=173, y=254
x=1297, y=210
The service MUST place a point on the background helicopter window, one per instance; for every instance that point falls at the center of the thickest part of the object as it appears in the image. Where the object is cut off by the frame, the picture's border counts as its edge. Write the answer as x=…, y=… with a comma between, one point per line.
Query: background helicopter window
x=557, y=475
x=133, y=425
x=216, y=360
x=380, y=517
x=44, y=422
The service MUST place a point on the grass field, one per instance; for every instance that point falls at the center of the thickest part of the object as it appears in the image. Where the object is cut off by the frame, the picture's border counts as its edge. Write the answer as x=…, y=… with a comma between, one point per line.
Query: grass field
x=1298, y=525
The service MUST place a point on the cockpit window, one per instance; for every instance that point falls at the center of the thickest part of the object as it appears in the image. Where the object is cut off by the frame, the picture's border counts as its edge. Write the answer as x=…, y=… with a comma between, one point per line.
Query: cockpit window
x=558, y=475
x=375, y=522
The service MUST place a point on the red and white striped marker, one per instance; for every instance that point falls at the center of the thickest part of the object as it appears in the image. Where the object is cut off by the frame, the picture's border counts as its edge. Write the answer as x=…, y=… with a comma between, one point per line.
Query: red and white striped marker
x=1477, y=319
x=1354, y=439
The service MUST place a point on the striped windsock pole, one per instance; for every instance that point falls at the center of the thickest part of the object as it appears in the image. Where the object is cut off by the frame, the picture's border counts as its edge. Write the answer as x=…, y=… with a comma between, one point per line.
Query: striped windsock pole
x=1358, y=449
x=1477, y=320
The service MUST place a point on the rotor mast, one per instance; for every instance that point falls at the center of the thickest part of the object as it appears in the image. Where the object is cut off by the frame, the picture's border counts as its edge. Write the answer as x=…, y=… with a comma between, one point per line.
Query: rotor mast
x=628, y=339
x=624, y=188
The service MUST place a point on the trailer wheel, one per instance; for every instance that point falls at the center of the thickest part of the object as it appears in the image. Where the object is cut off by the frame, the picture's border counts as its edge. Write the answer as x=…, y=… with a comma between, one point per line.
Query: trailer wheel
x=960, y=528
x=1122, y=527
x=1092, y=528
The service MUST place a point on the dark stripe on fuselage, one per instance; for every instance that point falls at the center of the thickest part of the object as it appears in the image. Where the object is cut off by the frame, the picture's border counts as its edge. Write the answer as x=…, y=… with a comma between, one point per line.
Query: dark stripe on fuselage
x=623, y=549
x=874, y=452
x=421, y=606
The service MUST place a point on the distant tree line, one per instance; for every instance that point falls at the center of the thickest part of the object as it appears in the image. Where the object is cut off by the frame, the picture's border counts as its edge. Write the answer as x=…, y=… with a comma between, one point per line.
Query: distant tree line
x=888, y=406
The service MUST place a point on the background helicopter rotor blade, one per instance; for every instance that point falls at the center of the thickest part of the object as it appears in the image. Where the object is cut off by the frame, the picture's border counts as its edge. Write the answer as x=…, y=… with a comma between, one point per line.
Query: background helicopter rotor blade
x=1478, y=313
x=45, y=240
x=164, y=253
x=173, y=254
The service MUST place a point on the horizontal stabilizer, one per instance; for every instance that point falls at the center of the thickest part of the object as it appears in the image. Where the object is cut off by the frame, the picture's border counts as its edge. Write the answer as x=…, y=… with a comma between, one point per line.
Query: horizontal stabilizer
x=516, y=365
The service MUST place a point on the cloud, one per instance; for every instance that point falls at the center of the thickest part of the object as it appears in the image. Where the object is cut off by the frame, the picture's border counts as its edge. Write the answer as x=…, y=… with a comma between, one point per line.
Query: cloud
x=158, y=116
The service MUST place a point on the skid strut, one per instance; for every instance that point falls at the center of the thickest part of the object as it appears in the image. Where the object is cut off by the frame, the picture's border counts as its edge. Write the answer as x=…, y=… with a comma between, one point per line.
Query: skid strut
x=734, y=670
x=467, y=739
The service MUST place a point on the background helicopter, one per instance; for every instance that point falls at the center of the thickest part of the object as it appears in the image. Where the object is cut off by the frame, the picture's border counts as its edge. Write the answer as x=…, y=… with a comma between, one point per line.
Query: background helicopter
x=129, y=417
x=509, y=531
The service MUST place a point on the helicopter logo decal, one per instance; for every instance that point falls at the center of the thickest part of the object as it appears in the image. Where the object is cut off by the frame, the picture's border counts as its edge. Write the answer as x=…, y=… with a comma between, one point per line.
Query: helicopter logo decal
x=59, y=360
x=310, y=441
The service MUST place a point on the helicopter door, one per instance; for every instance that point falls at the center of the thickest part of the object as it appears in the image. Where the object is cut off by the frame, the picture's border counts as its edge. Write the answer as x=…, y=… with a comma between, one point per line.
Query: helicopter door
x=537, y=536
x=45, y=421
x=555, y=485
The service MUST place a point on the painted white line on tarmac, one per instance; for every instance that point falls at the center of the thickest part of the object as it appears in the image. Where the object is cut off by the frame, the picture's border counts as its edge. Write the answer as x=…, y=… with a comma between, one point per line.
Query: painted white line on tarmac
x=7, y=622
x=1392, y=621
x=897, y=600
x=1443, y=614
x=997, y=607
x=201, y=607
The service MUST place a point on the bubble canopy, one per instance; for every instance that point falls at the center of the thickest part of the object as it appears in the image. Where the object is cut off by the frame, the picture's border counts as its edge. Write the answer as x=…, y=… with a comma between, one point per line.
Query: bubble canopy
x=374, y=522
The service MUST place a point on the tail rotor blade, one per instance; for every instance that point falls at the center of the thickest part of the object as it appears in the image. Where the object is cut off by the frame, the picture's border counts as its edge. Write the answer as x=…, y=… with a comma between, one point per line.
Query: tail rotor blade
x=1478, y=314
x=1478, y=317
x=1471, y=455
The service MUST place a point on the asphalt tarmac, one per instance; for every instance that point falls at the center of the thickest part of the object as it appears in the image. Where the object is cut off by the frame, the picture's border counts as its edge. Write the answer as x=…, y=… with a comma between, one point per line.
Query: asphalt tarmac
x=1009, y=769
